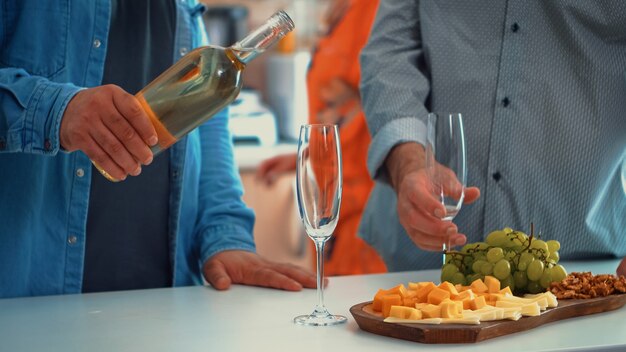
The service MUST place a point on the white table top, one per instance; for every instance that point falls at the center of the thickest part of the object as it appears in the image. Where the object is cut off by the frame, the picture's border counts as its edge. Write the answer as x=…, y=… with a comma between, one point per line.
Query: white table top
x=257, y=319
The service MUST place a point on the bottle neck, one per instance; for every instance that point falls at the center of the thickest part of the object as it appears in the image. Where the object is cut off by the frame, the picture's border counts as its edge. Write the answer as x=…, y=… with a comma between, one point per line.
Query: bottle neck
x=263, y=37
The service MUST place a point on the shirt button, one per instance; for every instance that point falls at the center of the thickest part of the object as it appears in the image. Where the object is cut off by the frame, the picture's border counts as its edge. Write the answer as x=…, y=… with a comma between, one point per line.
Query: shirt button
x=97, y=43
x=514, y=27
x=80, y=172
x=506, y=102
x=183, y=51
x=47, y=145
x=72, y=239
x=496, y=176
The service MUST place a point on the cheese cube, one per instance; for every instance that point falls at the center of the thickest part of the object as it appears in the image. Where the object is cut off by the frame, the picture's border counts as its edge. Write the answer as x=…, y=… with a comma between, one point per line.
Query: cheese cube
x=478, y=303
x=437, y=295
x=493, y=284
x=422, y=292
x=431, y=311
x=478, y=286
x=389, y=301
x=446, y=286
x=531, y=310
x=415, y=314
x=450, y=309
x=401, y=312
x=506, y=291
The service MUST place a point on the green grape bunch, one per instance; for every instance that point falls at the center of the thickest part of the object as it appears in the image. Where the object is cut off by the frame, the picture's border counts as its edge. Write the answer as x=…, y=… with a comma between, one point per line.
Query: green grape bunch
x=525, y=264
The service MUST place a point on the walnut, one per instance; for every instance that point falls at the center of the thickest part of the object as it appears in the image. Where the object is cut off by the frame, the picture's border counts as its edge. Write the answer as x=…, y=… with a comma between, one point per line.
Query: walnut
x=584, y=285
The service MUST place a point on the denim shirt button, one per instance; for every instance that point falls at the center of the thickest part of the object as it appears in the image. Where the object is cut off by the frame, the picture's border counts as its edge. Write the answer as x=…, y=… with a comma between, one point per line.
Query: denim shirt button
x=47, y=145
x=183, y=51
x=72, y=239
x=80, y=172
x=97, y=43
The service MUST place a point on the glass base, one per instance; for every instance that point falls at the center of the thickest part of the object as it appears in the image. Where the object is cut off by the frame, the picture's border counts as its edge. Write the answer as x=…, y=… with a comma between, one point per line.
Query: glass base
x=319, y=319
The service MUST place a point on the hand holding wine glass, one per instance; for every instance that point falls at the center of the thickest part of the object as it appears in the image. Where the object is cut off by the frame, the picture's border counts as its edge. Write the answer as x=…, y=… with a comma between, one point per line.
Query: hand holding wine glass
x=319, y=186
x=446, y=163
x=419, y=211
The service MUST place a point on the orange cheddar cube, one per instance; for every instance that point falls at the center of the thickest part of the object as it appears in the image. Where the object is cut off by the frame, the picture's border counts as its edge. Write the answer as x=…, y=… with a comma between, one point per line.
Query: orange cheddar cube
x=506, y=291
x=409, y=301
x=418, y=285
x=461, y=288
x=399, y=289
x=450, y=309
x=449, y=287
x=422, y=292
x=491, y=300
x=437, y=295
x=377, y=304
x=478, y=303
x=478, y=286
x=465, y=295
x=467, y=304
x=402, y=291
x=493, y=284
x=401, y=312
x=416, y=314
x=390, y=300
x=431, y=311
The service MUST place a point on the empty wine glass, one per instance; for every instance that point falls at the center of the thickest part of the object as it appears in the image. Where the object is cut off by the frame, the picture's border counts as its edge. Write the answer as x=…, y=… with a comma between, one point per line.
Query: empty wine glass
x=319, y=184
x=445, y=163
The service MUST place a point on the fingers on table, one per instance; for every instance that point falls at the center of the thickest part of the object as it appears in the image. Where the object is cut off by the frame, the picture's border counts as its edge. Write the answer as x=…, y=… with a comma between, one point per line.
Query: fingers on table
x=269, y=277
x=217, y=276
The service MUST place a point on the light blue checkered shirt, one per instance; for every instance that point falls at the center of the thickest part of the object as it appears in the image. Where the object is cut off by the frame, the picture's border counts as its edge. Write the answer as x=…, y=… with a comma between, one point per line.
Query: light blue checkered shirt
x=542, y=88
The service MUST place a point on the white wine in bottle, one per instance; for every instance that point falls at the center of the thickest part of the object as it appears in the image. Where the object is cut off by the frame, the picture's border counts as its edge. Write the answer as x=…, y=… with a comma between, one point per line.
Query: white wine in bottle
x=202, y=83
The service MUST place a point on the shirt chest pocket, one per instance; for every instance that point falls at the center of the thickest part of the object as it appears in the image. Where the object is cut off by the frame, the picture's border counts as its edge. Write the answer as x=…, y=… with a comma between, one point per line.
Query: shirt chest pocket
x=33, y=35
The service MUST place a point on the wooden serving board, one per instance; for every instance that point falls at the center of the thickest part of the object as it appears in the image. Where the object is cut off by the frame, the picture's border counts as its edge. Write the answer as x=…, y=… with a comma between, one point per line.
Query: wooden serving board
x=459, y=333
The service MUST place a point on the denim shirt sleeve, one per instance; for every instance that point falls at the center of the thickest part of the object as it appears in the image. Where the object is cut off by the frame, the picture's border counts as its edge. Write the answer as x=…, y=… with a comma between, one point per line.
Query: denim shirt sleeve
x=394, y=89
x=31, y=109
x=224, y=221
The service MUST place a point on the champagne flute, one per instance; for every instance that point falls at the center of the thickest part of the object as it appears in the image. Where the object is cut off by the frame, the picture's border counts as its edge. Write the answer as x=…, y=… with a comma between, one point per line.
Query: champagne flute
x=319, y=185
x=445, y=163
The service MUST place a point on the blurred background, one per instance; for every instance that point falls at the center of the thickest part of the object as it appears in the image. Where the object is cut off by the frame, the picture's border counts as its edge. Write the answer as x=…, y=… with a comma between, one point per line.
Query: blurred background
x=266, y=117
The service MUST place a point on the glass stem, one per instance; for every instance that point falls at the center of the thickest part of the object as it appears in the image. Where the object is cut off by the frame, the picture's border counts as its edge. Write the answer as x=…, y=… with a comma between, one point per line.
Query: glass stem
x=443, y=252
x=319, y=250
x=445, y=247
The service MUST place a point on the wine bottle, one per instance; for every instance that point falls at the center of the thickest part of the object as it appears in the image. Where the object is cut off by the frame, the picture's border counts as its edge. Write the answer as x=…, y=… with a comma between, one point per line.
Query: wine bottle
x=202, y=83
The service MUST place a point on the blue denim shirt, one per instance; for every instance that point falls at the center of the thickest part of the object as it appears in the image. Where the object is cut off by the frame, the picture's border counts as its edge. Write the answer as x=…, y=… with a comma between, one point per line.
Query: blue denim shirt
x=48, y=52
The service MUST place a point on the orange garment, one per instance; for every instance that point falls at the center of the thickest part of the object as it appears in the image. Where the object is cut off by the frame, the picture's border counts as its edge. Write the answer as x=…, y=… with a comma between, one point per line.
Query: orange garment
x=337, y=56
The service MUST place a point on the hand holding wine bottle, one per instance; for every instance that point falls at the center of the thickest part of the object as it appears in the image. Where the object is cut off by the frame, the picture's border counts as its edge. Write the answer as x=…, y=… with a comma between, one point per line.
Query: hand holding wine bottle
x=110, y=126
x=190, y=92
